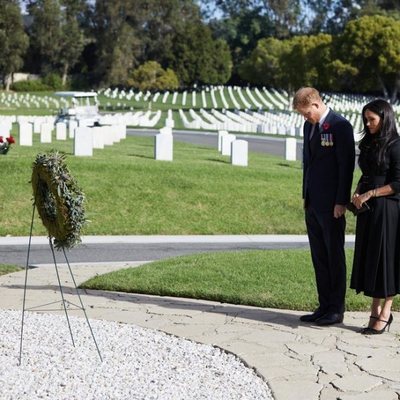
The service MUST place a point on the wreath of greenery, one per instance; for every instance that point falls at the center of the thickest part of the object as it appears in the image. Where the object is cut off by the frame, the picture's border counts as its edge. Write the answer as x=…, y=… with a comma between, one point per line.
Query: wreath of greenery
x=58, y=199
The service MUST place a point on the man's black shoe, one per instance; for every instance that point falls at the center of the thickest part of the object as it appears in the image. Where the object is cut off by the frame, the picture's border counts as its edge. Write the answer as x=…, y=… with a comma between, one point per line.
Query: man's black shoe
x=313, y=317
x=330, y=319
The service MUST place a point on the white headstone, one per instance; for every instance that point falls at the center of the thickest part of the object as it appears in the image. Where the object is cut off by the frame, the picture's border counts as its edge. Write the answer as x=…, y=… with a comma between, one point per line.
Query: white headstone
x=46, y=130
x=220, y=134
x=37, y=122
x=61, y=131
x=291, y=147
x=239, y=153
x=83, y=143
x=86, y=122
x=121, y=131
x=226, y=144
x=163, y=147
x=25, y=133
x=167, y=130
x=72, y=125
x=170, y=123
x=98, y=137
x=5, y=128
x=108, y=135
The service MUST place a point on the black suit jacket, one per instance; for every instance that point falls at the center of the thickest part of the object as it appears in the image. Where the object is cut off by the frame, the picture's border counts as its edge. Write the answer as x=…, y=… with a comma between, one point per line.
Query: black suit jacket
x=328, y=162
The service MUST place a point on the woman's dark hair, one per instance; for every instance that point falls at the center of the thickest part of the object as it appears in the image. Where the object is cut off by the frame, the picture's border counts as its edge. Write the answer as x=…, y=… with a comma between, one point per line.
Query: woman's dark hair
x=388, y=131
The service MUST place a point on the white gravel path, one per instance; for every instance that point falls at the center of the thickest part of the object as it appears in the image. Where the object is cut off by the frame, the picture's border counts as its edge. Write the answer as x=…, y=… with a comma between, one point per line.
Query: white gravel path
x=137, y=363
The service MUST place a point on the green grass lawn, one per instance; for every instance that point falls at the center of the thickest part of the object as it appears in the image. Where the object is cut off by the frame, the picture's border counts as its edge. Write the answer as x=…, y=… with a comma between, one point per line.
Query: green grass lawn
x=200, y=192
x=271, y=278
x=128, y=192
x=282, y=279
x=8, y=269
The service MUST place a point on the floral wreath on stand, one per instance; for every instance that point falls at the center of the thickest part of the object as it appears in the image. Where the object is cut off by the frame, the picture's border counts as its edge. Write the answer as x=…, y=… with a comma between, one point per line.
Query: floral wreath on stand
x=58, y=199
x=5, y=144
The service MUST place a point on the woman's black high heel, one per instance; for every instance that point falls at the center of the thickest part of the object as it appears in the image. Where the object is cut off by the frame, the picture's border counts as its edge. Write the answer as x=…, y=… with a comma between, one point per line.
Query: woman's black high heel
x=371, y=317
x=372, y=331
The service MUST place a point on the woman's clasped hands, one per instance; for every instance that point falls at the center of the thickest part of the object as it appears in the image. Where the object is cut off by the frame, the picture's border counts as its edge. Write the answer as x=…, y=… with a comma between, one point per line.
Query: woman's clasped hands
x=359, y=199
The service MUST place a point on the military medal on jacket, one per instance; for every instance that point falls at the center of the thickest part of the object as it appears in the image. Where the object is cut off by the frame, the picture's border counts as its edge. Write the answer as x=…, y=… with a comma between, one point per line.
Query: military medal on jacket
x=326, y=138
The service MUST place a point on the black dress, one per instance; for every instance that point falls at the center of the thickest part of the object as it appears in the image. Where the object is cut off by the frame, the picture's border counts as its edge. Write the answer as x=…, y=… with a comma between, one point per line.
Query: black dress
x=376, y=265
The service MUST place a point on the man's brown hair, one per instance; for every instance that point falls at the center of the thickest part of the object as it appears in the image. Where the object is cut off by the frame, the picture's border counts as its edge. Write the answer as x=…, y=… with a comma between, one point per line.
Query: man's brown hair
x=305, y=96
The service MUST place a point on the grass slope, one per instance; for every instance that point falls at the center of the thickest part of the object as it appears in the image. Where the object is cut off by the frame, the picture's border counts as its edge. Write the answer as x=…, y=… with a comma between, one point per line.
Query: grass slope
x=271, y=278
x=128, y=192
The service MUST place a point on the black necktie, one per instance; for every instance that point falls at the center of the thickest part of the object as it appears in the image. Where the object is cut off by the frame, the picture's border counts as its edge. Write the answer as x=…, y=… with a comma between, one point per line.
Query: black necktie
x=314, y=131
x=314, y=138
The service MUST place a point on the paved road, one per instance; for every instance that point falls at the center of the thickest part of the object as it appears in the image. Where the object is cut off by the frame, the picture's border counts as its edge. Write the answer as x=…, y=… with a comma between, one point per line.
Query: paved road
x=95, y=249
x=124, y=251
x=259, y=144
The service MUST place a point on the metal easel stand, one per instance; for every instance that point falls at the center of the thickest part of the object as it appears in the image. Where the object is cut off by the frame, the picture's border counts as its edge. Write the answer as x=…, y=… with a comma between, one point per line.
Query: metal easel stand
x=63, y=301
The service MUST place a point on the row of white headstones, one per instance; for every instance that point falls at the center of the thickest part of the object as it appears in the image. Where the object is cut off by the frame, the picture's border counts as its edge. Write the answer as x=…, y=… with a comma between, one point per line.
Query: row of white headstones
x=281, y=121
x=277, y=118
x=242, y=98
x=277, y=123
x=238, y=97
x=86, y=135
x=237, y=150
x=228, y=145
x=28, y=100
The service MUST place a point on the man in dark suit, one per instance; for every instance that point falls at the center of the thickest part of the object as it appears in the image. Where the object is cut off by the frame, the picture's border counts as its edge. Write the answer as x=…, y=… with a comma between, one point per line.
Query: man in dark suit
x=328, y=161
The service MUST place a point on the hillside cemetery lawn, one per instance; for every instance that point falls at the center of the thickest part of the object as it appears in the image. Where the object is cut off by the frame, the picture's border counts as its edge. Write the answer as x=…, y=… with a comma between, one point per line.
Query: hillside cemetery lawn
x=130, y=193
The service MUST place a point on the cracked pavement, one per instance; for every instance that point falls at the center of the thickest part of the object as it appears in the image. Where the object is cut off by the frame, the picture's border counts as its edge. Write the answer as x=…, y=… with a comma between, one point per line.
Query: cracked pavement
x=297, y=361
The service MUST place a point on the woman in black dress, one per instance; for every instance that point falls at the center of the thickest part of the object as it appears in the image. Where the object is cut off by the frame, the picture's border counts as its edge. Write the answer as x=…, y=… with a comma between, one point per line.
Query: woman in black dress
x=376, y=265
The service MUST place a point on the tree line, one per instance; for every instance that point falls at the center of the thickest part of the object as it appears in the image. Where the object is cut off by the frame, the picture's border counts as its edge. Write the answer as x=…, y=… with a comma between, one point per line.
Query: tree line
x=336, y=45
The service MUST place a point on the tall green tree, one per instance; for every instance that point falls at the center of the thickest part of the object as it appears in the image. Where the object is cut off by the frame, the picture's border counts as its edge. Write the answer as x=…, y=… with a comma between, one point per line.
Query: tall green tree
x=370, y=45
x=372, y=7
x=72, y=39
x=198, y=58
x=331, y=16
x=242, y=23
x=264, y=65
x=45, y=34
x=283, y=15
x=130, y=32
x=57, y=38
x=291, y=63
x=308, y=62
x=119, y=43
x=13, y=40
x=242, y=32
x=164, y=21
x=151, y=76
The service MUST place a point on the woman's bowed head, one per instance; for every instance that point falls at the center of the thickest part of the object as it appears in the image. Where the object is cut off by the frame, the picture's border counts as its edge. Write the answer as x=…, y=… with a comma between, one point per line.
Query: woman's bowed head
x=379, y=119
x=5, y=144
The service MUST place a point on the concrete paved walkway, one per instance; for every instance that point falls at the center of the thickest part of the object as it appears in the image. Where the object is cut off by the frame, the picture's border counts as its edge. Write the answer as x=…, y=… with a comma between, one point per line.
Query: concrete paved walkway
x=298, y=361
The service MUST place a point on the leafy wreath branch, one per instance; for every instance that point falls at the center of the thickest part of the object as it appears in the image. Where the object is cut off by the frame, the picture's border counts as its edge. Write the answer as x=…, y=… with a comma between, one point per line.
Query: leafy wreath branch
x=58, y=199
